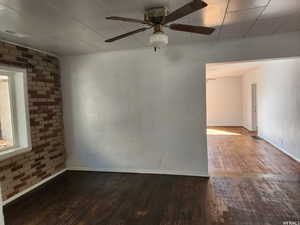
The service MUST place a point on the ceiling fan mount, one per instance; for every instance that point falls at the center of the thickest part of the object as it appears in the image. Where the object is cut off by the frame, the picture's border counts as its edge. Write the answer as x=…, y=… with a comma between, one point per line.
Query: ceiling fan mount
x=156, y=15
x=160, y=17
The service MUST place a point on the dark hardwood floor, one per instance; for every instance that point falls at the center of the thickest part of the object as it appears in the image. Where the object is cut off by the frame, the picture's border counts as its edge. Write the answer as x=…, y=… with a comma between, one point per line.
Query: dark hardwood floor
x=251, y=183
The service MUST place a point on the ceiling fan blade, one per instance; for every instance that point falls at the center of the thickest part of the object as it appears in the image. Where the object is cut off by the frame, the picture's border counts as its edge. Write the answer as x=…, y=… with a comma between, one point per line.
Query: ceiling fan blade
x=130, y=20
x=127, y=34
x=191, y=29
x=184, y=10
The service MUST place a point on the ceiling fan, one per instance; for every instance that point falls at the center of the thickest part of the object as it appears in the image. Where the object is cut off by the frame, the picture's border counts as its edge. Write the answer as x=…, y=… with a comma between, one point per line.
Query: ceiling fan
x=158, y=18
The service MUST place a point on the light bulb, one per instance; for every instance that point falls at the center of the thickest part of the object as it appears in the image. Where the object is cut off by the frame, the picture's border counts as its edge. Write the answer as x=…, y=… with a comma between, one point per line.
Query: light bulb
x=159, y=40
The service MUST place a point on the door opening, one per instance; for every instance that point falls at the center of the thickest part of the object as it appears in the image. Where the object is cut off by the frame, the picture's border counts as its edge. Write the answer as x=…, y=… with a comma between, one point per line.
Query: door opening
x=254, y=106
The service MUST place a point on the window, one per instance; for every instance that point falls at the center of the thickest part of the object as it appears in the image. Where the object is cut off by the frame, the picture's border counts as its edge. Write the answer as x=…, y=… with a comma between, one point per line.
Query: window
x=6, y=113
x=14, y=119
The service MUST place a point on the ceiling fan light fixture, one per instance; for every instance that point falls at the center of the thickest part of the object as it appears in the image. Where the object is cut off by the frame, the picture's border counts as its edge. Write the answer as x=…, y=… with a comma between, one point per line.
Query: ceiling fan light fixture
x=159, y=18
x=159, y=40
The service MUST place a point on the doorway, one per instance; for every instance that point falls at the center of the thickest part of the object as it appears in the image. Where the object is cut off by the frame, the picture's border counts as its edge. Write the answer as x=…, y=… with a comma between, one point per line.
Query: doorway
x=254, y=107
x=252, y=112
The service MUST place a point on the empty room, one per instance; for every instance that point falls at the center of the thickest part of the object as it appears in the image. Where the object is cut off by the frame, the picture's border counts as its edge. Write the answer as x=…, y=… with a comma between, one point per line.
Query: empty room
x=252, y=114
x=150, y=112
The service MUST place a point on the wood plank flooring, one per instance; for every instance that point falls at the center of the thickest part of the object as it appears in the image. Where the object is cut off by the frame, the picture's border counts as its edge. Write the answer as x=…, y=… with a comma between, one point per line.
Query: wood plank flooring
x=245, y=188
x=233, y=151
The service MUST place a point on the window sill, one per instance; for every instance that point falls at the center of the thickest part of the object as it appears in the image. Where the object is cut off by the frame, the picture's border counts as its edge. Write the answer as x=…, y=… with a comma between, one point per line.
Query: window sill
x=11, y=152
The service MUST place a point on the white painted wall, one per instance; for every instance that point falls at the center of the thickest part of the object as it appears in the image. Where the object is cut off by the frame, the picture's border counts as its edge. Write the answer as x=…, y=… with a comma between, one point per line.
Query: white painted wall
x=224, y=101
x=144, y=111
x=135, y=111
x=278, y=103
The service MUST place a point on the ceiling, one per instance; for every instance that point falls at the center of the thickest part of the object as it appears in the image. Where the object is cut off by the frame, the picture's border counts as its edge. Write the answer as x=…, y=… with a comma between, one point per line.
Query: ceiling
x=71, y=27
x=220, y=70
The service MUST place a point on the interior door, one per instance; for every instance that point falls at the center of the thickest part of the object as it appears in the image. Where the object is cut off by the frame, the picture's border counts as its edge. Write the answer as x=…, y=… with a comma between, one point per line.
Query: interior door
x=254, y=106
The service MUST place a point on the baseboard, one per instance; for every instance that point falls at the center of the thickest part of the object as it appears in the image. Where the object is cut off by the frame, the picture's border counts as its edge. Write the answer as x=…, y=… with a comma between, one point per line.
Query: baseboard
x=140, y=171
x=32, y=187
x=280, y=148
x=224, y=125
x=249, y=130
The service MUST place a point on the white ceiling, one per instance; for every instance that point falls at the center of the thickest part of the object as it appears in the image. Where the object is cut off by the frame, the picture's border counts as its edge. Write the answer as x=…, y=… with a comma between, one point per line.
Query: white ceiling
x=68, y=27
x=219, y=70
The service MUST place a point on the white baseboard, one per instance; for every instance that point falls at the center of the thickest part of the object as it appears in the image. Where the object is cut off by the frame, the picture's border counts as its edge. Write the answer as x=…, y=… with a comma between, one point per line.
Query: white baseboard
x=279, y=148
x=142, y=171
x=32, y=187
x=248, y=129
x=224, y=124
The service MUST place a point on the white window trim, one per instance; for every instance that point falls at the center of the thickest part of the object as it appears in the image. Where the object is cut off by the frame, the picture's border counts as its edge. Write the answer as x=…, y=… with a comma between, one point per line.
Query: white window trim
x=20, y=112
x=12, y=109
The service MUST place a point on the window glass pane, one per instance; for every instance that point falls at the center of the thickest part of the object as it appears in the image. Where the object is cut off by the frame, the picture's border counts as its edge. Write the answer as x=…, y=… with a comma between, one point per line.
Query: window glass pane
x=6, y=125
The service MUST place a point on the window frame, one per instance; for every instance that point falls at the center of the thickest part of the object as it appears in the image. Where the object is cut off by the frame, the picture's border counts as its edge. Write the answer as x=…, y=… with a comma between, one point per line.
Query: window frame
x=19, y=107
x=12, y=109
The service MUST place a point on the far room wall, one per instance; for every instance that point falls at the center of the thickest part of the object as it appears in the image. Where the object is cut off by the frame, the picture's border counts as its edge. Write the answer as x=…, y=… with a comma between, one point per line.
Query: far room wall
x=224, y=101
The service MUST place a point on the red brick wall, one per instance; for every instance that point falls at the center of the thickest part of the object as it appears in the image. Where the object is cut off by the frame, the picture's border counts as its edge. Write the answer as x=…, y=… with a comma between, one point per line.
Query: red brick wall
x=46, y=121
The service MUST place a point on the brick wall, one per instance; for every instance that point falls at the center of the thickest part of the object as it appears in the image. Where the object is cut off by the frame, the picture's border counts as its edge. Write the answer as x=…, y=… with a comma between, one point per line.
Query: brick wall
x=45, y=105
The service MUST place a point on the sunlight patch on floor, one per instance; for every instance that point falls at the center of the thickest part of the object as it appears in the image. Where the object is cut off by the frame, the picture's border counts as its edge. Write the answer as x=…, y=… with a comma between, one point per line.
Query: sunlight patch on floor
x=211, y=131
